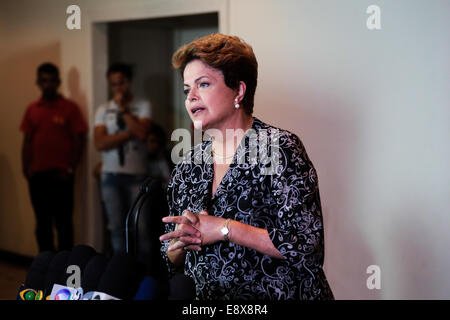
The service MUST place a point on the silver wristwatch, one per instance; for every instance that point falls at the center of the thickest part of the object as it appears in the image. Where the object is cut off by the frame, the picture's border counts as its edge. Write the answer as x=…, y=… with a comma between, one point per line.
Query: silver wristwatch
x=225, y=230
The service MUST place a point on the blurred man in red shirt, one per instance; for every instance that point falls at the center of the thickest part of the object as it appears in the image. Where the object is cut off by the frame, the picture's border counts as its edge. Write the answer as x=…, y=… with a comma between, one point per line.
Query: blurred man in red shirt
x=54, y=139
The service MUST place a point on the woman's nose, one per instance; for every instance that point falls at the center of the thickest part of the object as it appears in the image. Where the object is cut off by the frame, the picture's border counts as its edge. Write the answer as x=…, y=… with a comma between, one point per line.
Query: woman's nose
x=192, y=95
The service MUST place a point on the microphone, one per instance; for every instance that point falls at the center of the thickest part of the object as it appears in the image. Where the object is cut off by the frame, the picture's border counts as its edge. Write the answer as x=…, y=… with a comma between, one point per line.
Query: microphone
x=92, y=273
x=26, y=293
x=147, y=188
x=56, y=270
x=34, y=286
x=96, y=295
x=148, y=185
x=122, y=277
x=79, y=256
x=36, y=275
x=148, y=289
x=60, y=292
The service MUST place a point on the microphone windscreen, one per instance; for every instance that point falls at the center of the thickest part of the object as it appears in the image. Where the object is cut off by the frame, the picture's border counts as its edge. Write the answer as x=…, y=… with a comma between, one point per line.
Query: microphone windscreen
x=181, y=287
x=122, y=277
x=56, y=269
x=93, y=271
x=148, y=289
x=36, y=274
x=79, y=256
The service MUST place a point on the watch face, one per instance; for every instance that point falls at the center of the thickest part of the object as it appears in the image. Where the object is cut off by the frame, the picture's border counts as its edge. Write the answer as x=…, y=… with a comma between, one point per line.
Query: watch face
x=224, y=230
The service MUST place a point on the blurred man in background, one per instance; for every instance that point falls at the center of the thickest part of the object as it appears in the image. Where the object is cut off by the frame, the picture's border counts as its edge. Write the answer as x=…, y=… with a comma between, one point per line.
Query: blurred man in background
x=120, y=133
x=54, y=138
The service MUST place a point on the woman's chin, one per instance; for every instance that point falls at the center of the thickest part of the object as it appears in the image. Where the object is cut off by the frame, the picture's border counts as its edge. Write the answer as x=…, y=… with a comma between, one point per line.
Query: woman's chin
x=200, y=122
x=206, y=122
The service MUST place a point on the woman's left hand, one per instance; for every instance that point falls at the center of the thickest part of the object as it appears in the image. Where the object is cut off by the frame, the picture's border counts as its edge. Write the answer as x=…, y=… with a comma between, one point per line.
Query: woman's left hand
x=209, y=227
x=186, y=235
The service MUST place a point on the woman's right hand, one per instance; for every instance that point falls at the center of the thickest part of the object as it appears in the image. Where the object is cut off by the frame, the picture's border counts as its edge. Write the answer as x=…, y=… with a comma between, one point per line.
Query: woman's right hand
x=186, y=235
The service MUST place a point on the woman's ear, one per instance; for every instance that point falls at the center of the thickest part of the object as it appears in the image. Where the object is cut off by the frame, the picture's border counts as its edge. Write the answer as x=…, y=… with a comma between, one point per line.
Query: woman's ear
x=241, y=91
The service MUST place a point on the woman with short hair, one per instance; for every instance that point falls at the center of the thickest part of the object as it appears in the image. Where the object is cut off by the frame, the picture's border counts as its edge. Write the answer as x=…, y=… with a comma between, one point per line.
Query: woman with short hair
x=239, y=230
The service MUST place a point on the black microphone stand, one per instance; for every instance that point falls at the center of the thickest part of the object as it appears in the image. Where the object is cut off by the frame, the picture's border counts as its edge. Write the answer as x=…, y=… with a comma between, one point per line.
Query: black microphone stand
x=144, y=193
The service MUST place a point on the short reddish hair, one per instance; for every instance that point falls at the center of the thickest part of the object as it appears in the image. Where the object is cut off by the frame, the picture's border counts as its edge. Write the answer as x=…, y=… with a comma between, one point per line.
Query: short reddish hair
x=229, y=54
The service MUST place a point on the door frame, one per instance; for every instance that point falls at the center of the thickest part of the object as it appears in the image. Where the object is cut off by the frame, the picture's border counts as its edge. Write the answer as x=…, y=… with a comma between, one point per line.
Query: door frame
x=97, y=22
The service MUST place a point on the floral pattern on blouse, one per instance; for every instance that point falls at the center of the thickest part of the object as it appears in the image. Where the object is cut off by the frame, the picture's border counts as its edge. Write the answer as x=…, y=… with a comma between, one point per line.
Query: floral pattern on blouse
x=286, y=203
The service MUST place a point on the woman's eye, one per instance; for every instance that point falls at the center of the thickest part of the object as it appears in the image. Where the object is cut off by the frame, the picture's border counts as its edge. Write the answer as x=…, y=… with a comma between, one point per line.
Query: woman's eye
x=204, y=85
x=186, y=91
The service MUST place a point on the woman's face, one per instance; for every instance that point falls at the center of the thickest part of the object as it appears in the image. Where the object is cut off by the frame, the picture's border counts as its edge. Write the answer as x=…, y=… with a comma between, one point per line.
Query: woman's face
x=209, y=101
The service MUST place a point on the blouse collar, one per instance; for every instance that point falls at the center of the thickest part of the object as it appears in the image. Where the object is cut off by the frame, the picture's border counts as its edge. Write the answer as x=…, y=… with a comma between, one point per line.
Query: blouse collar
x=241, y=151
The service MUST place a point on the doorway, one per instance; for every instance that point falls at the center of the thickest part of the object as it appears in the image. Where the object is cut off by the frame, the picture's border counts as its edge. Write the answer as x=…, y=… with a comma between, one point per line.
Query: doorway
x=147, y=45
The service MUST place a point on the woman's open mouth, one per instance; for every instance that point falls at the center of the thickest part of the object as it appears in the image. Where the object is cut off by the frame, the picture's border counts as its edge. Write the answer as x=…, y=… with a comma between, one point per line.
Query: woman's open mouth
x=197, y=110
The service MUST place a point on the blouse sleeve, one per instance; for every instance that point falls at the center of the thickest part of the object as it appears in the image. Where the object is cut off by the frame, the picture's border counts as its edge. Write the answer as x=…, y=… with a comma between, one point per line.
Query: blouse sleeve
x=180, y=177
x=171, y=196
x=298, y=231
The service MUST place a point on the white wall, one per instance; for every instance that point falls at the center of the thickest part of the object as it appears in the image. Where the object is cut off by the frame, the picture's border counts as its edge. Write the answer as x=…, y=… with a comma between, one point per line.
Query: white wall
x=372, y=108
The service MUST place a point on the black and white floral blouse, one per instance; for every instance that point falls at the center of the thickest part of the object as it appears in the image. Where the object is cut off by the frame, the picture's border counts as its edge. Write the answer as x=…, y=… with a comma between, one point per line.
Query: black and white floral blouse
x=286, y=203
